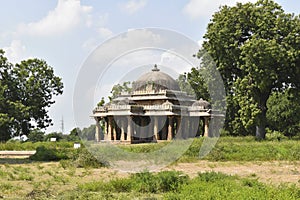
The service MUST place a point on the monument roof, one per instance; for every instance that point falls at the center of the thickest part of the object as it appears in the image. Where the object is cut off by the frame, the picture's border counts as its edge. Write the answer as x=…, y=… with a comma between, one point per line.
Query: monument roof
x=202, y=103
x=157, y=78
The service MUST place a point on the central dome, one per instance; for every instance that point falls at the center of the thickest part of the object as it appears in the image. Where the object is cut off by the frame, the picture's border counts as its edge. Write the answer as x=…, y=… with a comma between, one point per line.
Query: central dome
x=155, y=80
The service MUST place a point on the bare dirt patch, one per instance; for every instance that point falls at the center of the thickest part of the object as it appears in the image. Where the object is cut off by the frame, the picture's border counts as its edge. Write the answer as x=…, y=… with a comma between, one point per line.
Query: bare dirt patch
x=274, y=172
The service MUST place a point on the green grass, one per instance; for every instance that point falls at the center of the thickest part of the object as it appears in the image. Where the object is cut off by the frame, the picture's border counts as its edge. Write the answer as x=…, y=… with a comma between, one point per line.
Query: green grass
x=172, y=185
x=226, y=149
x=219, y=186
x=232, y=149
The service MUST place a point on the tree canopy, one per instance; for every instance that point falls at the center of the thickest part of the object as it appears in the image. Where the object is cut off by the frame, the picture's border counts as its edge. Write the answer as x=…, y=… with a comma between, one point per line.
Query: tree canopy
x=26, y=93
x=256, y=47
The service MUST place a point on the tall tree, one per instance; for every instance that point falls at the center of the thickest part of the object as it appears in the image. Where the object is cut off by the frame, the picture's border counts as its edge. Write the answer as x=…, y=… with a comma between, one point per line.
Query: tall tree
x=256, y=49
x=26, y=91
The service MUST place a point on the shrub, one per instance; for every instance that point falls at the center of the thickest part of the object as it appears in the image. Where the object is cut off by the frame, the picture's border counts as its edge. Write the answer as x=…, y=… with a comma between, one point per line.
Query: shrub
x=170, y=180
x=274, y=135
x=121, y=185
x=212, y=176
x=48, y=154
x=86, y=159
x=83, y=158
x=164, y=181
x=36, y=136
x=56, y=135
x=145, y=182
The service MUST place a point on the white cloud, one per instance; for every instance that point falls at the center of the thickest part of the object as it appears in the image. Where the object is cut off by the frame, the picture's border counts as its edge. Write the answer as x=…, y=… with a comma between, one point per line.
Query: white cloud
x=205, y=8
x=67, y=15
x=92, y=43
x=133, y=6
x=101, y=20
x=132, y=39
x=16, y=51
x=105, y=32
x=170, y=59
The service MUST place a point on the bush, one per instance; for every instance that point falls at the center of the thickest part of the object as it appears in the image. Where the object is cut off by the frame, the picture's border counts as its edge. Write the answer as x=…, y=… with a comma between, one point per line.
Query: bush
x=121, y=185
x=56, y=135
x=164, y=181
x=36, y=136
x=83, y=158
x=144, y=182
x=212, y=177
x=274, y=135
x=48, y=154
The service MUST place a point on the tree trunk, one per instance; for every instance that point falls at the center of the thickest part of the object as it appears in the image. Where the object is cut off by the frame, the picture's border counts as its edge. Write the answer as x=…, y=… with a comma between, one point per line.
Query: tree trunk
x=262, y=121
x=260, y=132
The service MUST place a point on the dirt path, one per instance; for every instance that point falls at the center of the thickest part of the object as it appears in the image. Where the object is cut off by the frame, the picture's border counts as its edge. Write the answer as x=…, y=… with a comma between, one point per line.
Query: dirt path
x=274, y=172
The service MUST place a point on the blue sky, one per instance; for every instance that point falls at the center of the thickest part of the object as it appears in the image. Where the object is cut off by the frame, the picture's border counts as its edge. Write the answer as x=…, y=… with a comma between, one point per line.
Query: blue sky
x=65, y=32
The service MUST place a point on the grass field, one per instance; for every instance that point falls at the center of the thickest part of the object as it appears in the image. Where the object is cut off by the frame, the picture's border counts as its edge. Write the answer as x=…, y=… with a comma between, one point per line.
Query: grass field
x=236, y=168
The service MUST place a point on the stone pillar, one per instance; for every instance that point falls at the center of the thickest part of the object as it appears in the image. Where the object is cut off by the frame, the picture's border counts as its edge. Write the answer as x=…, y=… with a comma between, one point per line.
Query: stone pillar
x=194, y=123
x=206, y=134
x=114, y=123
x=129, y=129
x=139, y=132
x=191, y=127
x=170, y=128
x=98, y=130
x=122, y=130
x=178, y=127
x=184, y=127
x=109, y=135
x=143, y=127
x=155, y=129
x=105, y=129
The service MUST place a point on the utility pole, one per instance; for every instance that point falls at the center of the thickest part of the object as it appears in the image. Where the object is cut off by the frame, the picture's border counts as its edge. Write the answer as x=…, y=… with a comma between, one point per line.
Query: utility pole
x=62, y=125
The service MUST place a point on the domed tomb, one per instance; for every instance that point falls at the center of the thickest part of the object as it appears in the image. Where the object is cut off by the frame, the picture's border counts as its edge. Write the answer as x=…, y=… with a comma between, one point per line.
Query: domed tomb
x=155, y=80
x=153, y=111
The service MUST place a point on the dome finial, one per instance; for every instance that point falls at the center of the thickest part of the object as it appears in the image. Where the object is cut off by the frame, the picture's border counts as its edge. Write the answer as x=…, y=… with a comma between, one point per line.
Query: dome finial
x=155, y=69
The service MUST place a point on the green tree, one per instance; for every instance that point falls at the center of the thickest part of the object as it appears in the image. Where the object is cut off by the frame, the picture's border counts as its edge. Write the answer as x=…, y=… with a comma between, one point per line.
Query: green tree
x=256, y=49
x=119, y=88
x=74, y=135
x=101, y=102
x=26, y=93
x=199, y=83
x=88, y=133
x=58, y=135
x=193, y=83
x=184, y=84
x=36, y=135
x=284, y=112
